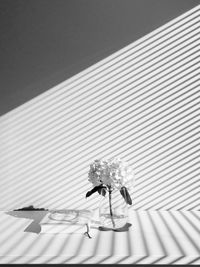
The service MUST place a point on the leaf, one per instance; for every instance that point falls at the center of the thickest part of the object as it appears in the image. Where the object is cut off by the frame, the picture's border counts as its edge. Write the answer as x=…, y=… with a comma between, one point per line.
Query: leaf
x=124, y=192
x=95, y=189
x=102, y=191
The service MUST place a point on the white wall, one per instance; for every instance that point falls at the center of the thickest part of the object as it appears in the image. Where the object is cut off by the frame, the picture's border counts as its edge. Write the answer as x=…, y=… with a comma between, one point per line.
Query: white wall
x=141, y=104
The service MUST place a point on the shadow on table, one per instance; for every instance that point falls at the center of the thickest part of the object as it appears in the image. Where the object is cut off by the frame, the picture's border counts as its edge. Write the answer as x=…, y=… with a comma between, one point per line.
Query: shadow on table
x=122, y=229
x=35, y=214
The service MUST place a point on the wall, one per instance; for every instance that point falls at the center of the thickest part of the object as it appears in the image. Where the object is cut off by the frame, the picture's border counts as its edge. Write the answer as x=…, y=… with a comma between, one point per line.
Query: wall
x=140, y=104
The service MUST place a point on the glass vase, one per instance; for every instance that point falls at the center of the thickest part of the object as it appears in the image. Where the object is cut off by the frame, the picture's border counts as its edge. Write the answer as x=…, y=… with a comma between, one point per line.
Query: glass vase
x=113, y=210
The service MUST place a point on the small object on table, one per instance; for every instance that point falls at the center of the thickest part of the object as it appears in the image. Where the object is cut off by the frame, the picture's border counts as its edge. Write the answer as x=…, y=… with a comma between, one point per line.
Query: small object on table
x=67, y=222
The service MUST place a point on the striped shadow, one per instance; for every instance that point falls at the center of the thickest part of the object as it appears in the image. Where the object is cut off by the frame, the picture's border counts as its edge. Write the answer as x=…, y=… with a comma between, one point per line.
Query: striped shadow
x=141, y=104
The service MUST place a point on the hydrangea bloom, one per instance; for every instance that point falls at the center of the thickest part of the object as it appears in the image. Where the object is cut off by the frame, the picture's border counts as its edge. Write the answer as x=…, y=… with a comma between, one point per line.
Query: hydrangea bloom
x=113, y=173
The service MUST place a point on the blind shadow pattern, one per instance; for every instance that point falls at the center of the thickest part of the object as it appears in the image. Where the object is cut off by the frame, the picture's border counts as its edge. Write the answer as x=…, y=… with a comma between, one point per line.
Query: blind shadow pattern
x=140, y=104
x=156, y=237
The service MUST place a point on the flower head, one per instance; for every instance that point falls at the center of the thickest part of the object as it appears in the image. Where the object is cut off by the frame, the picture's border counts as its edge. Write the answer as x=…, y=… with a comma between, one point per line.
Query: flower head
x=113, y=173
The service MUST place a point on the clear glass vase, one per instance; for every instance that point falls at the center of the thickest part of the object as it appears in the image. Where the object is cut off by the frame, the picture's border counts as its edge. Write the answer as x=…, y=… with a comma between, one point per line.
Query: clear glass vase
x=113, y=210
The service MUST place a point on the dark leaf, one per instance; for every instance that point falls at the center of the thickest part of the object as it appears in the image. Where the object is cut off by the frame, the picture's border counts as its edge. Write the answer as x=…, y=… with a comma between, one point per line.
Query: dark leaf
x=95, y=189
x=124, y=192
x=102, y=191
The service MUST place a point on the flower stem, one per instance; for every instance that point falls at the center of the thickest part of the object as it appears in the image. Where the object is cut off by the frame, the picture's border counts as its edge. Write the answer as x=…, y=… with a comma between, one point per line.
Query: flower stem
x=110, y=205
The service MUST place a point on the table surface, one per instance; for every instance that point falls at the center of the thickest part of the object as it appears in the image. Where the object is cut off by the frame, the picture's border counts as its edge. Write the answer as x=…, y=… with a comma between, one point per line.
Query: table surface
x=154, y=237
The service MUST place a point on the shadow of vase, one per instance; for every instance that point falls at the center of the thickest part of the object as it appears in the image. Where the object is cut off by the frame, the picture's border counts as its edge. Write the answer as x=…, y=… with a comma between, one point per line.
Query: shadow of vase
x=125, y=228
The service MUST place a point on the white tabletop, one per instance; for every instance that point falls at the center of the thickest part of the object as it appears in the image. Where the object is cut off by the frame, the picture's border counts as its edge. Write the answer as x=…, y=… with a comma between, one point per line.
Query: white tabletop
x=154, y=237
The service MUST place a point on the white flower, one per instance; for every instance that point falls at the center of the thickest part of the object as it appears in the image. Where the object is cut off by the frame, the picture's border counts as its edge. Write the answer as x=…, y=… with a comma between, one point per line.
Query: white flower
x=113, y=173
